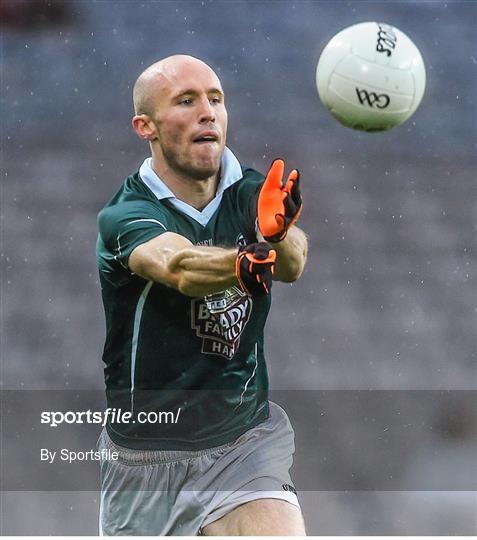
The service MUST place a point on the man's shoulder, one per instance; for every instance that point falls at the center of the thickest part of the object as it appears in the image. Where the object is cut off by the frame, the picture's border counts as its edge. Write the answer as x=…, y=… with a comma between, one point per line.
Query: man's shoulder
x=249, y=183
x=131, y=190
x=132, y=202
x=132, y=197
x=251, y=175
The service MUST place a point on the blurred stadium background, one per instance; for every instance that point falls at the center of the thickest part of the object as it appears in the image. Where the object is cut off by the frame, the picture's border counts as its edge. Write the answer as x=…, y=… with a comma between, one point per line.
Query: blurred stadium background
x=389, y=296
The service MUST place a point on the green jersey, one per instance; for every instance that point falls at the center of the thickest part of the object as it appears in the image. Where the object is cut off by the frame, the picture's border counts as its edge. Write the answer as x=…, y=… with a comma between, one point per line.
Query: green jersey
x=196, y=363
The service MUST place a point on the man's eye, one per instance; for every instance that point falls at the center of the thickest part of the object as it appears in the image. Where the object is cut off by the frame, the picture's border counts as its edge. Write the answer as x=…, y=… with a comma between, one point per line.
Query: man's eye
x=216, y=100
x=186, y=101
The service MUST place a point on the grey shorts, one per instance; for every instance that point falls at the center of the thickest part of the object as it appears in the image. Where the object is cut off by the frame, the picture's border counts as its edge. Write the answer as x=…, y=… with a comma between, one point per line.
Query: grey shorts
x=176, y=493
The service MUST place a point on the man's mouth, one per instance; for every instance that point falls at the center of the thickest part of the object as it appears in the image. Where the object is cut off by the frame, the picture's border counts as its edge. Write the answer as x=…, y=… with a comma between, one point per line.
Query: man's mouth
x=206, y=137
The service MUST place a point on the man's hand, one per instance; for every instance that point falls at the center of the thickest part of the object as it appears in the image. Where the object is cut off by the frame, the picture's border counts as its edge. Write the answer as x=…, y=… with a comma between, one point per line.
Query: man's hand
x=279, y=205
x=254, y=268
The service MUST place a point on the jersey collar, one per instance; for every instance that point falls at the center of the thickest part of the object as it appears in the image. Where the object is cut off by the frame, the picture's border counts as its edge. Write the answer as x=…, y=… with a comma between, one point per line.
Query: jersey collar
x=231, y=173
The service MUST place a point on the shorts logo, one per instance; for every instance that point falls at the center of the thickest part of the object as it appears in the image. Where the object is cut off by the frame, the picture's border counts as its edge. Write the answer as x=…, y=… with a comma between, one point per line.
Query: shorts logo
x=219, y=319
x=288, y=487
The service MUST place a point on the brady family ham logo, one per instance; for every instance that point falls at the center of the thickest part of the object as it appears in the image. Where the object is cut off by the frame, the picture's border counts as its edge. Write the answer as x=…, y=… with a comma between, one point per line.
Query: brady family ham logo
x=219, y=320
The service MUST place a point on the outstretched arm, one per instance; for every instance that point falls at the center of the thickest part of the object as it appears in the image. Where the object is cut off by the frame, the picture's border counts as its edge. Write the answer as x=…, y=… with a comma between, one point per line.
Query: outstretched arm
x=173, y=260
x=196, y=271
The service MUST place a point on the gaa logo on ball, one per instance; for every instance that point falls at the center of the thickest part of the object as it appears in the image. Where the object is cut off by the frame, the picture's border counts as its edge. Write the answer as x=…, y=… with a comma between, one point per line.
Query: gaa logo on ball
x=371, y=77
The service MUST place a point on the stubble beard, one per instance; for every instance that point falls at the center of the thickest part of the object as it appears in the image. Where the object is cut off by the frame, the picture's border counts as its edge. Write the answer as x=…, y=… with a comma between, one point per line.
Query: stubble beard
x=187, y=170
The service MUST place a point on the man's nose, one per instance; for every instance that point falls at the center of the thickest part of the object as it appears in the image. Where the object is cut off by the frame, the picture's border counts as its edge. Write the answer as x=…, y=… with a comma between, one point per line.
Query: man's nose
x=207, y=113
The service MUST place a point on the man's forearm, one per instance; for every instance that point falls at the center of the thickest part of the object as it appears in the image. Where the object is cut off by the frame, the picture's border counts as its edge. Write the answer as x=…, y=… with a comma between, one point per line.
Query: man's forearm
x=291, y=255
x=204, y=270
x=197, y=271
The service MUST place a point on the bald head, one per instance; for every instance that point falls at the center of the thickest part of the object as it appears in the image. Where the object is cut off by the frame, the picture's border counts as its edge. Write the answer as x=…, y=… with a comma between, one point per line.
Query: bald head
x=161, y=75
x=180, y=109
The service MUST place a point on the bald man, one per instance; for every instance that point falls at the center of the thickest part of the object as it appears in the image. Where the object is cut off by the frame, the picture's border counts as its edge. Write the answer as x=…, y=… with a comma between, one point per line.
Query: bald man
x=187, y=250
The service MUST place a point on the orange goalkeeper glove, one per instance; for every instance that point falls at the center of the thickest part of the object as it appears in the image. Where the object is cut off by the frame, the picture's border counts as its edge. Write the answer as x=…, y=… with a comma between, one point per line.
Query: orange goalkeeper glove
x=254, y=268
x=279, y=205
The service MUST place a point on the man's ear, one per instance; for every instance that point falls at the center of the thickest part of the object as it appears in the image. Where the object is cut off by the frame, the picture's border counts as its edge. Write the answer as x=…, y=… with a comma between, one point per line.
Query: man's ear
x=144, y=127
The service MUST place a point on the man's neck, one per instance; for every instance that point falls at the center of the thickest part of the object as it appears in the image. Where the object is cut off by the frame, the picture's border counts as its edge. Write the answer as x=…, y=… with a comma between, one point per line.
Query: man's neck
x=196, y=193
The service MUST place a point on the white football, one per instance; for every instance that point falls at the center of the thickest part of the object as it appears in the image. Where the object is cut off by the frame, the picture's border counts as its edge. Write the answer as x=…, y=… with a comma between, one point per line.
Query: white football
x=371, y=76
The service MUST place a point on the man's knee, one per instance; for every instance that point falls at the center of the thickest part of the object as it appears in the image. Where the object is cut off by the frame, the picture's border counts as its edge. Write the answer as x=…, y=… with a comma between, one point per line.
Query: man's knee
x=266, y=517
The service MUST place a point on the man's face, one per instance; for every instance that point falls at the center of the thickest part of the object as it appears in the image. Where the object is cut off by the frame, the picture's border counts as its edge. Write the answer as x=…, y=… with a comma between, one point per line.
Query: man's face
x=191, y=120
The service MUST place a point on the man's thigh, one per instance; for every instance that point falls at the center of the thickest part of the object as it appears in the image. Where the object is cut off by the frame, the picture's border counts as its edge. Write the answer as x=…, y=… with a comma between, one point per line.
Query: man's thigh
x=262, y=517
